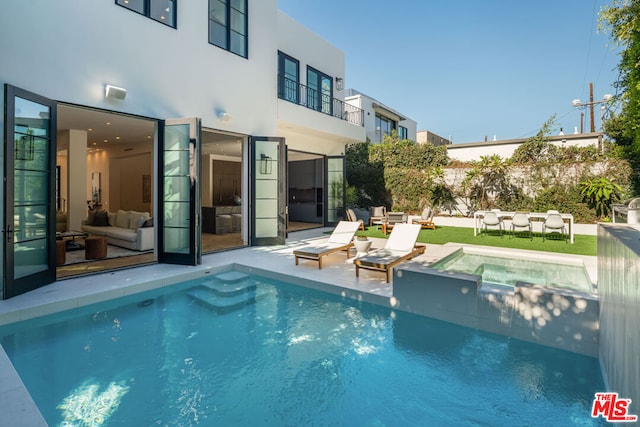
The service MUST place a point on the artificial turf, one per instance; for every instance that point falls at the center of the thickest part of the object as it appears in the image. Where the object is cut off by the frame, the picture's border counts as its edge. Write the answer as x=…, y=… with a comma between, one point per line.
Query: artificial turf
x=583, y=244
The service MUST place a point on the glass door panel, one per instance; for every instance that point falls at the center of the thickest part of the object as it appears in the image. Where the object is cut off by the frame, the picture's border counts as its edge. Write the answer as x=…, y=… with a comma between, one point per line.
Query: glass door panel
x=29, y=225
x=335, y=185
x=179, y=230
x=269, y=193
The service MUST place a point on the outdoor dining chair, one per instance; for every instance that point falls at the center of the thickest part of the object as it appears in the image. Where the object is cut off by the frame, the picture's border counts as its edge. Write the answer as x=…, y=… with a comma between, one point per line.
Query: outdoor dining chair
x=521, y=220
x=491, y=219
x=554, y=223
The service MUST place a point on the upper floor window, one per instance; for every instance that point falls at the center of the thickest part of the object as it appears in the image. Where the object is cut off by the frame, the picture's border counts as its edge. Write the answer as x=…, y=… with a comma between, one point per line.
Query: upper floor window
x=228, y=25
x=403, y=133
x=384, y=126
x=319, y=91
x=288, y=77
x=163, y=11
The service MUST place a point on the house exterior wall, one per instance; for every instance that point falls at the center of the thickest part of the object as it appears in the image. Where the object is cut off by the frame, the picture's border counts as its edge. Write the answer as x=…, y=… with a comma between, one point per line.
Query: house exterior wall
x=69, y=49
x=472, y=151
x=304, y=128
x=424, y=136
x=371, y=107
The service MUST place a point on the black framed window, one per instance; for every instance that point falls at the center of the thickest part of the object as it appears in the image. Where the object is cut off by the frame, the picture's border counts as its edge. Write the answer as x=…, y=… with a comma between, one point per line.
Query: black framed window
x=163, y=11
x=384, y=126
x=402, y=132
x=228, y=25
x=319, y=91
x=288, y=77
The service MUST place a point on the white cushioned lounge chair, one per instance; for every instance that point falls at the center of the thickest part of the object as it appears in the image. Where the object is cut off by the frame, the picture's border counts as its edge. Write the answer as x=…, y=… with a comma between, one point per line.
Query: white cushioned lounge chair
x=401, y=246
x=341, y=239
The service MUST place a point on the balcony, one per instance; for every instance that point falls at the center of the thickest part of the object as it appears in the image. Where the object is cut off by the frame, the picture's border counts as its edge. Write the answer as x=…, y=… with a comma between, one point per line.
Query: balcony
x=297, y=93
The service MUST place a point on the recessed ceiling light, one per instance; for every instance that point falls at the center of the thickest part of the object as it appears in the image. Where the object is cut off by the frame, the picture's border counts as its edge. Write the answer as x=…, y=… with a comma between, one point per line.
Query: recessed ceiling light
x=106, y=140
x=95, y=143
x=108, y=123
x=90, y=129
x=117, y=137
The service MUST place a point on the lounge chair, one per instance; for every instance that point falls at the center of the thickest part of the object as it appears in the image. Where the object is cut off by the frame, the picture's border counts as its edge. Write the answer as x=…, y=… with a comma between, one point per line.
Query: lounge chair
x=377, y=214
x=426, y=219
x=351, y=216
x=392, y=219
x=340, y=240
x=401, y=246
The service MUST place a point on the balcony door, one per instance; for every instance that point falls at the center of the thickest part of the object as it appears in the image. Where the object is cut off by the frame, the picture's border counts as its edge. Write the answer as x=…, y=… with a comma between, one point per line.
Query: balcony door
x=29, y=190
x=319, y=91
x=179, y=239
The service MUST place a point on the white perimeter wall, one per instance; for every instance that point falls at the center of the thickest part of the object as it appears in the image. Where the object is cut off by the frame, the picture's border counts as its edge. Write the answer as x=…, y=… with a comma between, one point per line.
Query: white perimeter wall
x=505, y=149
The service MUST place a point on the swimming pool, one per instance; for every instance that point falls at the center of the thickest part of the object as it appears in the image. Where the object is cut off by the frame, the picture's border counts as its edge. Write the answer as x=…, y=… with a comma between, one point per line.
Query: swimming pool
x=501, y=270
x=245, y=350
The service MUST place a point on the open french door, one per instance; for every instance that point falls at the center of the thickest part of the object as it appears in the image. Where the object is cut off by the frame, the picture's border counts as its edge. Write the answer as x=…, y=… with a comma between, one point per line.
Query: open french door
x=179, y=239
x=334, y=178
x=29, y=192
x=268, y=159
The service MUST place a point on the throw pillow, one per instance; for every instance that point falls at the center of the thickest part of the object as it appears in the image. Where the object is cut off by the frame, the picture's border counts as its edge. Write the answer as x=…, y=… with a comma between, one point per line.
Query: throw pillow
x=148, y=223
x=112, y=218
x=136, y=219
x=91, y=217
x=101, y=218
x=122, y=219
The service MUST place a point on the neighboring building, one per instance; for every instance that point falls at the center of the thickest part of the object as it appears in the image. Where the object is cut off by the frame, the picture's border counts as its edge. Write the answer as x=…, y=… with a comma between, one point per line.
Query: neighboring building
x=425, y=136
x=380, y=120
x=473, y=150
x=177, y=109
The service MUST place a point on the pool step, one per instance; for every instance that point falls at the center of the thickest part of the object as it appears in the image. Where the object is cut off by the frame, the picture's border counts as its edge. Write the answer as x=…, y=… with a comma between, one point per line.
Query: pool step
x=230, y=288
x=231, y=276
x=224, y=297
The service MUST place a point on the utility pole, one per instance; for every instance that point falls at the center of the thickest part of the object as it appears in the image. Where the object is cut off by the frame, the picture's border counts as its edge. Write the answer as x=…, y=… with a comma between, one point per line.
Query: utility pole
x=593, y=123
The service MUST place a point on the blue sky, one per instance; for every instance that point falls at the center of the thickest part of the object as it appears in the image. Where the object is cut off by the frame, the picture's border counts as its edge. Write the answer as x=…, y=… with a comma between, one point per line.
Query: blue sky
x=467, y=69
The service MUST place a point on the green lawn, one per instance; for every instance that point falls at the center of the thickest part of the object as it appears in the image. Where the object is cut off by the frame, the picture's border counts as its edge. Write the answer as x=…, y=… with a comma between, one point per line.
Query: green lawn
x=583, y=245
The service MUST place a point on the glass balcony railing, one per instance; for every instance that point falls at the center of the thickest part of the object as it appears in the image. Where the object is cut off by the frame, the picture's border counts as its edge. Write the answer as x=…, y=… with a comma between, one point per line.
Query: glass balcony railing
x=290, y=90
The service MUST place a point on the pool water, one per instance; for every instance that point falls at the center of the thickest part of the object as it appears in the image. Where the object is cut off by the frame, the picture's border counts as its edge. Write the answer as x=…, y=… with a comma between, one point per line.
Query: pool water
x=497, y=270
x=249, y=351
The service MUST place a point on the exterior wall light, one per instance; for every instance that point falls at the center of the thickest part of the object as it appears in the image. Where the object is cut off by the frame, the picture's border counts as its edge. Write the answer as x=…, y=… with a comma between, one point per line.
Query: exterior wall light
x=225, y=117
x=114, y=92
x=339, y=83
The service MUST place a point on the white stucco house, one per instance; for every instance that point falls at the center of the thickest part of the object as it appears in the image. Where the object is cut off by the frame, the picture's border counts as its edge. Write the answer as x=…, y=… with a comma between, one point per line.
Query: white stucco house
x=380, y=119
x=206, y=116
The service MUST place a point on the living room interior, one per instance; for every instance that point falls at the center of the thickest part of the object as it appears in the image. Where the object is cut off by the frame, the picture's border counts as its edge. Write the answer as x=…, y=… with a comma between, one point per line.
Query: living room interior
x=106, y=165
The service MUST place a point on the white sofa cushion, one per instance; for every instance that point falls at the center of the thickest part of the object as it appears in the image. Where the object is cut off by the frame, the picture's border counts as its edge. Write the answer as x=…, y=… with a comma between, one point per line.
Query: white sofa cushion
x=137, y=219
x=122, y=234
x=122, y=219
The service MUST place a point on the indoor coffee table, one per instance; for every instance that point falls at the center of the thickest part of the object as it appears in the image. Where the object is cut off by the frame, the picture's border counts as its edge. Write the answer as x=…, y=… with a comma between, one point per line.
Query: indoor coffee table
x=71, y=245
